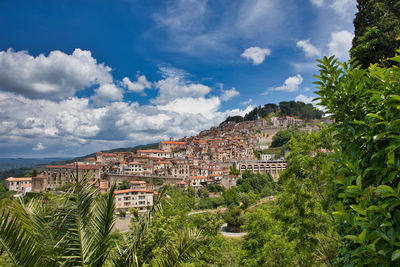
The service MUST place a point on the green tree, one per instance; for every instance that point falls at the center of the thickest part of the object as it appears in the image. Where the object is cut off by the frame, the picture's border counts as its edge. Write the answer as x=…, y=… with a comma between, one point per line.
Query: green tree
x=233, y=171
x=296, y=229
x=123, y=185
x=364, y=104
x=377, y=31
x=282, y=137
x=234, y=219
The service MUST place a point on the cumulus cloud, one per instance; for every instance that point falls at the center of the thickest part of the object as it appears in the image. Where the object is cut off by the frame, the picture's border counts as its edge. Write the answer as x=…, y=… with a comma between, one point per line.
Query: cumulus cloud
x=256, y=54
x=343, y=7
x=229, y=94
x=39, y=146
x=73, y=126
x=138, y=86
x=172, y=88
x=340, y=44
x=309, y=49
x=204, y=106
x=107, y=93
x=305, y=99
x=55, y=76
x=291, y=84
x=318, y=3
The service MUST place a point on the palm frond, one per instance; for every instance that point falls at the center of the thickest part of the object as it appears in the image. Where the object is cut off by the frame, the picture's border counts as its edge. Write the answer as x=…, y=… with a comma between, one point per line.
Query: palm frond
x=101, y=224
x=185, y=248
x=17, y=242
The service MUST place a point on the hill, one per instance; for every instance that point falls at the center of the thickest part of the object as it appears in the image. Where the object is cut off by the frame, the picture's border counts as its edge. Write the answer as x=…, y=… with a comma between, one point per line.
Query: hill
x=300, y=110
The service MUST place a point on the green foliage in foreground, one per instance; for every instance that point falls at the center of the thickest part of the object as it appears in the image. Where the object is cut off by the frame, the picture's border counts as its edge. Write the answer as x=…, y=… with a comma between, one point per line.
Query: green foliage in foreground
x=74, y=229
x=296, y=229
x=365, y=104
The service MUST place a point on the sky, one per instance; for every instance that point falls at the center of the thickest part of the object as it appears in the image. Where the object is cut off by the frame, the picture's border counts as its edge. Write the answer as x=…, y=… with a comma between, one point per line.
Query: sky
x=78, y=77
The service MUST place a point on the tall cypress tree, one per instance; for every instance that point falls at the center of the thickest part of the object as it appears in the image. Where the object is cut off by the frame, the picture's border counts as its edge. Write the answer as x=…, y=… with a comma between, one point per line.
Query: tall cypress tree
x=377, y=31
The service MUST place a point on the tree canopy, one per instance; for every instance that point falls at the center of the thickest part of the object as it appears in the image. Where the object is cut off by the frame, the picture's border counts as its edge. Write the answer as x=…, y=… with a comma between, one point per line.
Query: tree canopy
x=377, y=31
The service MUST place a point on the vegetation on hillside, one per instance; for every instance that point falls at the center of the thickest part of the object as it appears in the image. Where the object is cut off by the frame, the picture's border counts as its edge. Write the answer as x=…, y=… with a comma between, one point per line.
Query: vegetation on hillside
x=285, y=108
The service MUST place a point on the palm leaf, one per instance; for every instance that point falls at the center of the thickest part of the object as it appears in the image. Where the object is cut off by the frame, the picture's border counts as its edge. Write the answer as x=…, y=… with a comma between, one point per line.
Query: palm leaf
x=185, y=248
x=17, y=242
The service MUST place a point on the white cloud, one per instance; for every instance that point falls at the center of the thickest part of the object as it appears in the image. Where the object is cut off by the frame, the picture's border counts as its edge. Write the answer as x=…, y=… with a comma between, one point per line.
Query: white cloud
x=309, y=49
x=291, y=84
x=204, y=106
x=55, y=76
x=183, y=16
x=340, y=44
x=74, y=126
x=344, y=7
x=256, y=54
x=138, y=86
x=107, y=93
x=174, y=87
x=39, y=146
x=194, y=27
x=247, y=102
x=318, y=3
x=229, y=94
x=305, y=99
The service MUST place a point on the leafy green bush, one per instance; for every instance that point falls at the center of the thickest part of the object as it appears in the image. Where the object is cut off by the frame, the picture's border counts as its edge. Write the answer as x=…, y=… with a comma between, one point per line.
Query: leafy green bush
x=365, y=105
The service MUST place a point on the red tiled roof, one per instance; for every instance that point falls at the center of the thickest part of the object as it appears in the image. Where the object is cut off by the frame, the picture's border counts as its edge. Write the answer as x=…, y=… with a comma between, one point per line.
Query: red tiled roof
x=18, y=179
x=132, y=190
x=152, y=151
x=173, y=142
x=136, y=162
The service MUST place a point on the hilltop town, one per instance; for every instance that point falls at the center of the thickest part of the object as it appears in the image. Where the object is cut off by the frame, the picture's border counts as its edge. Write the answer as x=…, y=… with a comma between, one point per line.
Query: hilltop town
x=197, y=161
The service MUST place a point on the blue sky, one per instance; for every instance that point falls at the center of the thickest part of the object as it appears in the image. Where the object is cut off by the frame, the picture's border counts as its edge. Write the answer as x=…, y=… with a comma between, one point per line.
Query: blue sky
x=82, y=76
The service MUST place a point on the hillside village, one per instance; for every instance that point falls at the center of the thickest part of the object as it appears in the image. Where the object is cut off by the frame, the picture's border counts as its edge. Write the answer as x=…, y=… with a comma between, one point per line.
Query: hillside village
x=196, y=161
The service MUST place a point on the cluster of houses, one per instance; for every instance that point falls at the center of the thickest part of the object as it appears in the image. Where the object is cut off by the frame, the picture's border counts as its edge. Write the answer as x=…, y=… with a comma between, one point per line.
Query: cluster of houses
x=190, y=162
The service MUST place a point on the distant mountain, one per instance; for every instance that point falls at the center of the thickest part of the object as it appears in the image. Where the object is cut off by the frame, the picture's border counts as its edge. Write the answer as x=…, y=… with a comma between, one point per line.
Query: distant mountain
x=9, y=163
x=18, y=167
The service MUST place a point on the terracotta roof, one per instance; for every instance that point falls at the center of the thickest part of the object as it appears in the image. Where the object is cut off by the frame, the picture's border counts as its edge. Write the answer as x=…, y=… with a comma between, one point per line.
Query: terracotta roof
x=132, y=190
x=109, y=154
x=152, y=151
x=90, y=159
x=173, y=142
x=135, y=162
x=18, y=179
x=27, y=185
